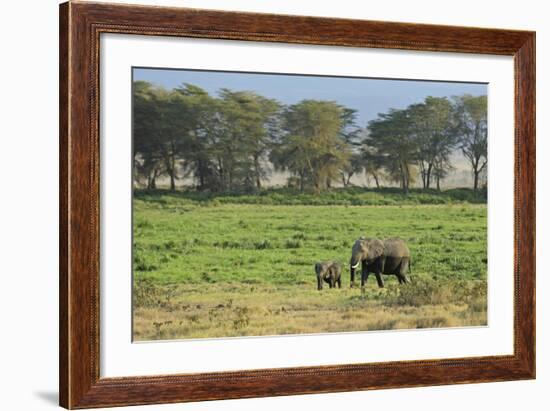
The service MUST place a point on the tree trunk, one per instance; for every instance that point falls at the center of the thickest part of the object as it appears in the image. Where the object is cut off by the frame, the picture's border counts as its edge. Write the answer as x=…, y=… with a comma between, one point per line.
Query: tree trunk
x=201, y=181
x=200, y=174
x=423, y=174
x=475, y=167
x=403, y=170
x=172, y=181
x=317, y=185
x=172, y=167
x=221, y=174
x=258, y=183
x=257, y=173
x=405, y=178
x=375, y=176
x=152, y=180
x=428, y=175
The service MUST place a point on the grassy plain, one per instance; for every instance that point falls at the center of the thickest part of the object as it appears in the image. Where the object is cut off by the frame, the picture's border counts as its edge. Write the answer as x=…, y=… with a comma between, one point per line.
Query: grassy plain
x=210, y=266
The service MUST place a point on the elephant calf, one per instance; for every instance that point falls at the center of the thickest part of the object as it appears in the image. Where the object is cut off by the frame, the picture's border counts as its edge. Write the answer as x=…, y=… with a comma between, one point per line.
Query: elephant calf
x=330, y=272
x=391, y=256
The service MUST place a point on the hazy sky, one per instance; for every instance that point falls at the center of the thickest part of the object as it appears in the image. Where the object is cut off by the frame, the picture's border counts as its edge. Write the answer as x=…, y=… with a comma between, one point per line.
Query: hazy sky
x=368, y=96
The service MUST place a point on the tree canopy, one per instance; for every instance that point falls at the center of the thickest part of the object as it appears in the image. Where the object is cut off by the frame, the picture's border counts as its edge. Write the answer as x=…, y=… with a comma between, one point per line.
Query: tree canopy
x=233, y=140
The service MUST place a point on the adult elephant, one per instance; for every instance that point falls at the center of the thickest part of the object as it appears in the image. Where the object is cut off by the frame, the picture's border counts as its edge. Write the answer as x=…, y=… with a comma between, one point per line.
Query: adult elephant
x=391, y=256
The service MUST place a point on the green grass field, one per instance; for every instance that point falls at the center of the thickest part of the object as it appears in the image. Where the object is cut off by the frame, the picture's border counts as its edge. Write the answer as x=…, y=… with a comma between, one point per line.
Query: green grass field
x=234, y=265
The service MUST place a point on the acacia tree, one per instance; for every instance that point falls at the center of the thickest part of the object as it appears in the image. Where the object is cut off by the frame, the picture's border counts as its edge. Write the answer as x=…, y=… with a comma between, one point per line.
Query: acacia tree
x=175, y=128
x=351, y=133
x=434, y=131
x=200, y=120
x=355, y=165
x=471, y=118
x=225, y=142
x=311, y=145
x=372, y=164
x=147, y=133
x=442, y=167
x=250, y=124
x=392, y=141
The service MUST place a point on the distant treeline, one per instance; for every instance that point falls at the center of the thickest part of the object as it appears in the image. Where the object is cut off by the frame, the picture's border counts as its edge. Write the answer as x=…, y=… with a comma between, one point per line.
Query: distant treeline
x=231, y=141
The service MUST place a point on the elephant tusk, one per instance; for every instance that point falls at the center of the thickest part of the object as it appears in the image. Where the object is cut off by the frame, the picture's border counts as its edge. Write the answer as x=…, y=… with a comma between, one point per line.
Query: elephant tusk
x=355, y=266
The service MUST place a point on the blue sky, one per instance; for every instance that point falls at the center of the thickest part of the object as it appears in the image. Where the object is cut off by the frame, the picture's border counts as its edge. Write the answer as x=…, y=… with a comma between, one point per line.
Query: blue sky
x=368, y=96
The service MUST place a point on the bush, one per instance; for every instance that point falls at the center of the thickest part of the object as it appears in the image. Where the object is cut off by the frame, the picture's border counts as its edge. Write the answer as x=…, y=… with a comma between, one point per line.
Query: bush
x=426, y=291
x=420, y=293
x=294, y=243
x=356, y=196
x=146, y=293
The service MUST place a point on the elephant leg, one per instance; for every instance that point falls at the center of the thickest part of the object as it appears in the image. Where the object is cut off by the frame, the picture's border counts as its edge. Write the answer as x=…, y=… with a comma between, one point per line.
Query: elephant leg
x=403, y=271
x=379, y=279
x=364, y=273
x=339, y=281
x=367, y=276
x=319, y=283
x=379, y=269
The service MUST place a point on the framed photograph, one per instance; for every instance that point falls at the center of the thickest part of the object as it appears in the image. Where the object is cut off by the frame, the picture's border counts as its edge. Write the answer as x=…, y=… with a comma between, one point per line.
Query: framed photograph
x=259, y=205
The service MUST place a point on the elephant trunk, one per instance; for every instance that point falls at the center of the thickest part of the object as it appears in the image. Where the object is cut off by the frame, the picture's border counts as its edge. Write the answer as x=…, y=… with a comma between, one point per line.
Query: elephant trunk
x=353, y=265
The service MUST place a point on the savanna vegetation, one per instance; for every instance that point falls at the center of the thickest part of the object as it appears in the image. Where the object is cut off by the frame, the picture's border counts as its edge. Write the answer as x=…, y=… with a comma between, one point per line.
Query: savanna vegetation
x=220, y=252
x=230, y=265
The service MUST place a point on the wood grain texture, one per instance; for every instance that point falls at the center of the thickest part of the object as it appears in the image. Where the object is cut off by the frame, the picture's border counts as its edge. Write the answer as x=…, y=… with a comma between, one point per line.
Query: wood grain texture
x=63, y=205
x=80, y=27
x=525, y=203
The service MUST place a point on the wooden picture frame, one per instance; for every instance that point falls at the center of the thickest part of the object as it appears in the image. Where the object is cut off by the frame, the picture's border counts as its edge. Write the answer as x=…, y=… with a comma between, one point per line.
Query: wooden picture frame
x=80, y=27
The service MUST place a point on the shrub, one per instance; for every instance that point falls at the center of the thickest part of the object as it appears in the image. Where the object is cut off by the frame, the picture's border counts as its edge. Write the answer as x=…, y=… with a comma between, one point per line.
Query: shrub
x=242, y=318
x=426, y=291
x=146, y=293
x=262, y=245
x=433, y=322
x=141, y=263
x=294, y=243
x=422, y=292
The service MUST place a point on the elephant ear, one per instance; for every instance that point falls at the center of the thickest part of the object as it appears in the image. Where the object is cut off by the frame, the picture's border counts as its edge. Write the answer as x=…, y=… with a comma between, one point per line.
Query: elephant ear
x=376, y=249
